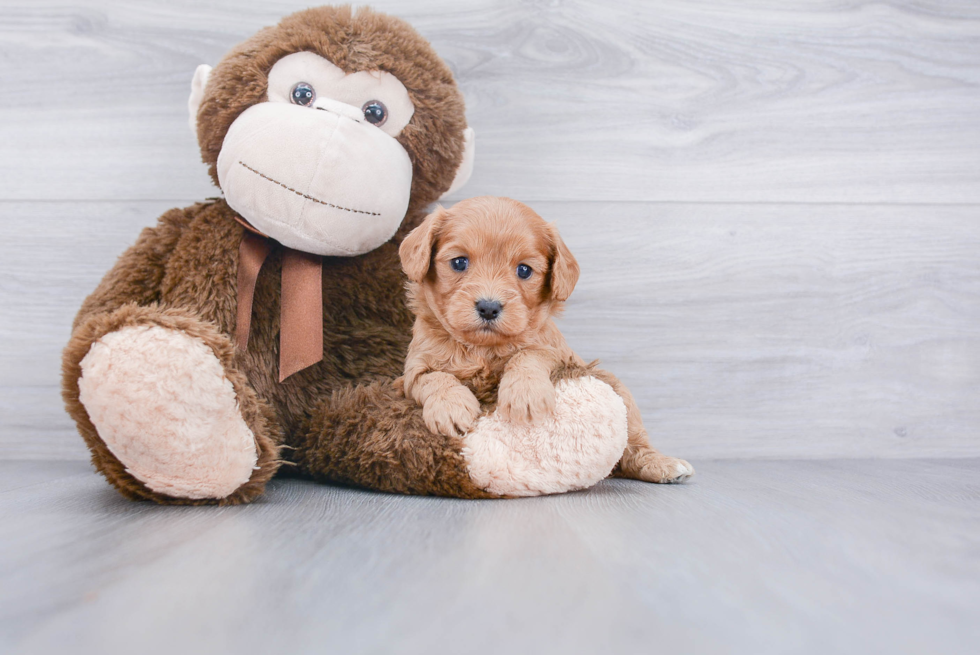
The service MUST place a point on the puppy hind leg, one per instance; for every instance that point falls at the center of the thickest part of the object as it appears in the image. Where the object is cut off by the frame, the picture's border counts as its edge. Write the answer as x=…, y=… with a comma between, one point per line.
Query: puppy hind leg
x=640, y=460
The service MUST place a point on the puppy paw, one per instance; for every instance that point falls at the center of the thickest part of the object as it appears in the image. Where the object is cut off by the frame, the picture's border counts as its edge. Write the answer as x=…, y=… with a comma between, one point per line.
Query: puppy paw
x=522, y=399
x=662, y=470
x=452, y=412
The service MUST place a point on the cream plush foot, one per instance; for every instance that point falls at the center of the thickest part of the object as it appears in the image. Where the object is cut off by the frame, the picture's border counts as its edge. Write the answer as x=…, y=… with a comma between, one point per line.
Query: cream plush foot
x=575, y=449
x=162, y=404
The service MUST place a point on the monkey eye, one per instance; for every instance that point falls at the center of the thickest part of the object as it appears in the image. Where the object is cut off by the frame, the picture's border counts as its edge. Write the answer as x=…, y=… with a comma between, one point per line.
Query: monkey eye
x=375, y=112
x=524, y=271
x=302, y=94
x=459, y=264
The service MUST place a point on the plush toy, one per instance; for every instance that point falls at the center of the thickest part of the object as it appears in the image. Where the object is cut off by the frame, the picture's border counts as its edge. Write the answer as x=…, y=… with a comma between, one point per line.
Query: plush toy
x=262, y=332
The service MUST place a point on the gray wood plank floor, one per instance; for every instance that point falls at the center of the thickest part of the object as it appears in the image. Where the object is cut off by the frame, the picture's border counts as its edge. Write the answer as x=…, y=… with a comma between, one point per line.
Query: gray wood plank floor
x=855, y=556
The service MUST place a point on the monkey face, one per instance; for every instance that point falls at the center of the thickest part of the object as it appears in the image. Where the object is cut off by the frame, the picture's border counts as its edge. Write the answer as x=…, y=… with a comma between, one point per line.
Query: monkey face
x=318, y=166
x=333, y=130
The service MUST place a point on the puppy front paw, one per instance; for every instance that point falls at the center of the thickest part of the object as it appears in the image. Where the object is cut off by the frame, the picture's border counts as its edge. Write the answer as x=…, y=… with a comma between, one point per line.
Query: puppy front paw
x=452, y=412
x=523, y=399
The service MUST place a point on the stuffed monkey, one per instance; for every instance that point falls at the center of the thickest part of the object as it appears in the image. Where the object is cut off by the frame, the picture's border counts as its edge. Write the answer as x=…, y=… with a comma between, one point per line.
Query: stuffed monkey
x=262, y=332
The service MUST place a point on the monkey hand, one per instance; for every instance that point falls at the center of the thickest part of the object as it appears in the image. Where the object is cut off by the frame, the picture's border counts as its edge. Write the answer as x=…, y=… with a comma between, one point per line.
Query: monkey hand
x=452, y=411
x=524, y=399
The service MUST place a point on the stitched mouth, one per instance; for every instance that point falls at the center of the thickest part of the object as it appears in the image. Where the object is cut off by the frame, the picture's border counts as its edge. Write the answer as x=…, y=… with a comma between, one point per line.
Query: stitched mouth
x=303, y=195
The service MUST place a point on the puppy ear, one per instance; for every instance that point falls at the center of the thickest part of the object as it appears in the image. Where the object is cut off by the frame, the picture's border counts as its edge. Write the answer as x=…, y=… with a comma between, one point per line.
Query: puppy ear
x=416, y=250
x=564, y=267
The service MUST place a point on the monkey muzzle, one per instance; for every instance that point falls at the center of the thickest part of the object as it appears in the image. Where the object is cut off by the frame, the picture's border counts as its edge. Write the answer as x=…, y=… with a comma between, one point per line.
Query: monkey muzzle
x=321, y=181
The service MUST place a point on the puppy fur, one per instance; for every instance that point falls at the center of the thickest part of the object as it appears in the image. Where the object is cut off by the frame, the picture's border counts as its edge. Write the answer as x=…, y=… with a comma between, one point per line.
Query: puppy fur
x=485, y=334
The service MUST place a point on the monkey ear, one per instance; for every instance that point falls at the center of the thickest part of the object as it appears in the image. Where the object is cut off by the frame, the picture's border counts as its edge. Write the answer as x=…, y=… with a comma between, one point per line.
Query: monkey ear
x=466, y=166
x=416, y=250
x=564, y=267
x=197, y=93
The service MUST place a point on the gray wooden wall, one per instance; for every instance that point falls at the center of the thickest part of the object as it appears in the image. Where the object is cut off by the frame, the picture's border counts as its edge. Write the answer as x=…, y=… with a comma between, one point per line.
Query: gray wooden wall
x=776, y=204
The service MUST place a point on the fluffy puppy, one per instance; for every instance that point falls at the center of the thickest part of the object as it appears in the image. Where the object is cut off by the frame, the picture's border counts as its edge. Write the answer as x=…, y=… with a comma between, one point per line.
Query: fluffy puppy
x=485, y=280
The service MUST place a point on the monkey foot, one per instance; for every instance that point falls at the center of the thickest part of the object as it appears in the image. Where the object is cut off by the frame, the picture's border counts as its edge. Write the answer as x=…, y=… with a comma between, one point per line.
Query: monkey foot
x=575, y=449
x=162, y=404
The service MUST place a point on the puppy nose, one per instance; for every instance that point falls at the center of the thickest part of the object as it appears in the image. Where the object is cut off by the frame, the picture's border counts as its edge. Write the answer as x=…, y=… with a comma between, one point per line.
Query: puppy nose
x=489, y=310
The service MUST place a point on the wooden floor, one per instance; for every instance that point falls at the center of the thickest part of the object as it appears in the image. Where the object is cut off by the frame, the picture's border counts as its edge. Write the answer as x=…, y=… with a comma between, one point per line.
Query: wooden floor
x=849, y=556
x=776, y=207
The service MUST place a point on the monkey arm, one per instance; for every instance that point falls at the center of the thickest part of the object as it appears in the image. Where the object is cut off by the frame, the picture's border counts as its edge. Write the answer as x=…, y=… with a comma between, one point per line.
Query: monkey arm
x=374, y=437
x=137, y=274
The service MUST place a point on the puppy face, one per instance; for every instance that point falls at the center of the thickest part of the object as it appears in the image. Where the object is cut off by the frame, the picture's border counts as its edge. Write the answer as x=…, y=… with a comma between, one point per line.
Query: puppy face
x=490, y=270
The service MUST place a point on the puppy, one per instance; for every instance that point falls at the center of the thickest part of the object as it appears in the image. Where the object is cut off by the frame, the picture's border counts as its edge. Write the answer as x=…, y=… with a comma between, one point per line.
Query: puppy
x=486, y=278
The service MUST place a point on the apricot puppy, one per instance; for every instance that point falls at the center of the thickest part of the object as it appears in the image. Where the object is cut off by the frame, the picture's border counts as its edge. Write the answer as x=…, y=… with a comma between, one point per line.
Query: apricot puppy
x=486, y=277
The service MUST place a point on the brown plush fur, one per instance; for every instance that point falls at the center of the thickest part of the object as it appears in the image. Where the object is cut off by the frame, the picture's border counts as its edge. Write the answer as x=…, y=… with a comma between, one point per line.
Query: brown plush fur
x=457, y=359
x=182, y=274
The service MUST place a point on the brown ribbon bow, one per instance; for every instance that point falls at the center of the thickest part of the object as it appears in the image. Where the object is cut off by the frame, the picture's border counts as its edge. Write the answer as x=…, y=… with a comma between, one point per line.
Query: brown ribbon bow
x=301, y=301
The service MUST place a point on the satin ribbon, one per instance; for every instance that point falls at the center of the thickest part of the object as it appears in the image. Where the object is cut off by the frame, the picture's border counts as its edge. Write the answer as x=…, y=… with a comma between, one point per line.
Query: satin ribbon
x=301, y=301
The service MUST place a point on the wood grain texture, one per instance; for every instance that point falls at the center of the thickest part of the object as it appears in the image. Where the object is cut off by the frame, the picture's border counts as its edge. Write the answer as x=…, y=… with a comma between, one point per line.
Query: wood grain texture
x=743, y=330
x=774, y=331
x=803, y=329
x=762, y=557
x=837, y=101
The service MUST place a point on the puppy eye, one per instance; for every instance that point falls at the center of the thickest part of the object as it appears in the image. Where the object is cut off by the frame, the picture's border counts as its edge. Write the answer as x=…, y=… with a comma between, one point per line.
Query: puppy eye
x=524, y=271
x=459, y=264
x=375, y=112
x=302, y=94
